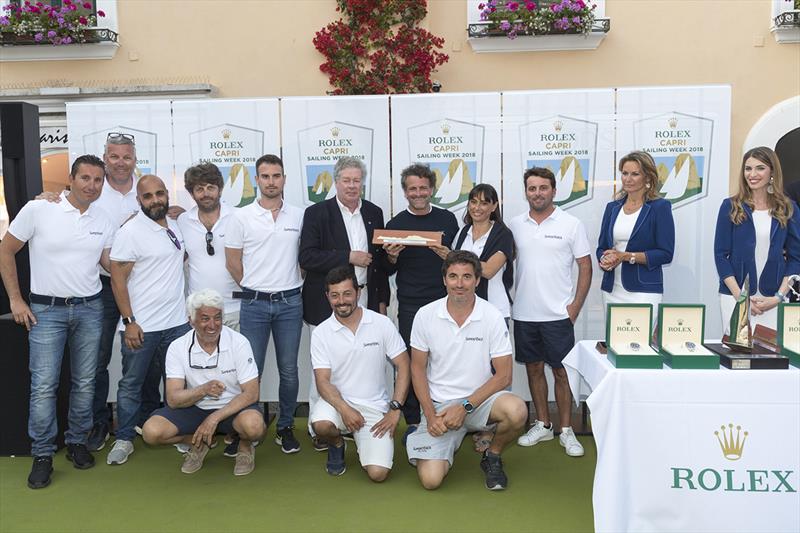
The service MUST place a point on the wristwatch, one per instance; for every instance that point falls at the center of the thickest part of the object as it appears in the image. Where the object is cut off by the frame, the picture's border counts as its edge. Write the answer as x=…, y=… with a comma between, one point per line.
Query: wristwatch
x=632, y=259
x=394, y=405
x=468, y=407
x=780, y=296
x=128, y=320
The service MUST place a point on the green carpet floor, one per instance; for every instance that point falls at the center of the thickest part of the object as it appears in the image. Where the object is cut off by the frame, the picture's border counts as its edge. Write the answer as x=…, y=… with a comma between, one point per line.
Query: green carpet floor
x=548, y=491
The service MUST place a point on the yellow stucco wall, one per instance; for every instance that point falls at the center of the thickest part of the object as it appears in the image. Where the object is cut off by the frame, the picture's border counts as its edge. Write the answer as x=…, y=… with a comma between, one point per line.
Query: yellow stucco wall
x=249, y=48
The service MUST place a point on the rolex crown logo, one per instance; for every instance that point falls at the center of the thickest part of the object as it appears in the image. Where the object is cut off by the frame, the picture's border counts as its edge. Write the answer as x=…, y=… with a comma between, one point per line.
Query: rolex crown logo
x=628, y=321
x=445, y=128
x=680, y=321
x=335, y=131
x=673, y=122
x=226, y=134
x=732, y=445
x=557, y=125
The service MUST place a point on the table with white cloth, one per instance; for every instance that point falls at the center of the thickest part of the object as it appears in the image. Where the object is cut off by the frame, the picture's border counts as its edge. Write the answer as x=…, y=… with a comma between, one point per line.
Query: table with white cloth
x=691, y=450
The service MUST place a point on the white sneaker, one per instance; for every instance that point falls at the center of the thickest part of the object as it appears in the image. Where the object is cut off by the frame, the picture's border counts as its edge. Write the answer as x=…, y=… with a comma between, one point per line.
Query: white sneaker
x=120, y=452
x=537, y=433
x=570, y=443
x=182, y=448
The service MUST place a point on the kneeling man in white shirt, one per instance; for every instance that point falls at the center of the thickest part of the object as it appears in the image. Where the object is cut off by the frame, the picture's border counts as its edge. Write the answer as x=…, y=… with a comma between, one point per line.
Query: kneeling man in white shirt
x=212, y=385
x=348, y=354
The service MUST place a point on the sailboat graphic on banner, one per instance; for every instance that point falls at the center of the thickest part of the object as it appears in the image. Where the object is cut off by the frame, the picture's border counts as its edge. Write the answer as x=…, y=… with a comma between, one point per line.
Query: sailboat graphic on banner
x=565, y=180
x=677, y=180
x=451, y=187
x=238, y=190
x=324, y=185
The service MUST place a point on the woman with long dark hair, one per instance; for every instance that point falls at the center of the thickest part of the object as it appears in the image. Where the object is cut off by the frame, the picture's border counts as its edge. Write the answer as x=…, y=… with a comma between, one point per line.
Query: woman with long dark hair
x=758, y=233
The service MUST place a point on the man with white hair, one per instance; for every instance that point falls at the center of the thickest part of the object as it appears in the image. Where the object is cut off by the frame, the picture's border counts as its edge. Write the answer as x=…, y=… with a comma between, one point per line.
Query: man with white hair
x=212, y=385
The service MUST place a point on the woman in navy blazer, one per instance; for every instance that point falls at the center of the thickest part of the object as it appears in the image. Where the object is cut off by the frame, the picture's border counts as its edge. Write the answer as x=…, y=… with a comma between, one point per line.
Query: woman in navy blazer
x=758, y=233
x=637, y=236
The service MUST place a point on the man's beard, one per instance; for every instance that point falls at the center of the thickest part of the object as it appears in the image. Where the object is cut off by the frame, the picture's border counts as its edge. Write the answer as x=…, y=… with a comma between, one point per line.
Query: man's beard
x=156, y=211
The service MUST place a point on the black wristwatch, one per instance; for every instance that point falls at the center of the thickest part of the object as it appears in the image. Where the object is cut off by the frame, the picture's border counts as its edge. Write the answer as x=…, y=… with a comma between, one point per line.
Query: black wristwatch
x=394, y=405
x=468, y=407
x=128, y=320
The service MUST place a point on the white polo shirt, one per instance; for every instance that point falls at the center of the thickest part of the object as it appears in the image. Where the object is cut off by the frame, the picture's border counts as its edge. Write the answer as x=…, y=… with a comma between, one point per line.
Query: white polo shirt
x=65, y=246
x=358, y=362
x=269, y=247
x=234, y=365
x=118, y=207
x=459, y=358
x=357, y=236
x=496, y=292
x=208, y=271
x=155, y=285
x=546, y=255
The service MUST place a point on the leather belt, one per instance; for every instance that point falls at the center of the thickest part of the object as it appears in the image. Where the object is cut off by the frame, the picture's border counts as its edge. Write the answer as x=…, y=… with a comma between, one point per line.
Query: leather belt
x=247, y=294
x=55, y=300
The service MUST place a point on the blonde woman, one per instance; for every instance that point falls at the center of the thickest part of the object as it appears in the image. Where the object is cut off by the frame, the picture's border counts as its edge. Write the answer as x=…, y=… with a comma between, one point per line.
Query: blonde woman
x=637, y=236
x=758, y=233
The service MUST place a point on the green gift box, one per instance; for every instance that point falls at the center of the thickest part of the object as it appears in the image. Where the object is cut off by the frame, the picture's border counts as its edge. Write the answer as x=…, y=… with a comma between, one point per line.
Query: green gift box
x=629, y=328
x=789, y=332
x=681, y=334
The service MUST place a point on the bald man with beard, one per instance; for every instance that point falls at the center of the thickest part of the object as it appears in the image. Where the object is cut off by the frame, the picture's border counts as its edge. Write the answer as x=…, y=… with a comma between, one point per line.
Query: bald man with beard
x=147, y=278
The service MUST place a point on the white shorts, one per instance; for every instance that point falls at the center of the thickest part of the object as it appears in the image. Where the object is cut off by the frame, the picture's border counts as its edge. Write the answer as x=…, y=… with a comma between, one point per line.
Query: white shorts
x=371, y=450
x=423, y=445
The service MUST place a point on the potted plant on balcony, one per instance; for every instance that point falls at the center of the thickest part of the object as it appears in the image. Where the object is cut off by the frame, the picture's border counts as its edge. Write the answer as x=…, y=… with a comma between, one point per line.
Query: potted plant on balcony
x=513, y=18
x=40, y=23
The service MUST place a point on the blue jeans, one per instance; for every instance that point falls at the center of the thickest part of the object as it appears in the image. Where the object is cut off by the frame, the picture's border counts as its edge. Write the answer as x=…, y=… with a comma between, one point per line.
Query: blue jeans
x=284, y=319
x=78, y=325
x=135, y=368
x=102, y=413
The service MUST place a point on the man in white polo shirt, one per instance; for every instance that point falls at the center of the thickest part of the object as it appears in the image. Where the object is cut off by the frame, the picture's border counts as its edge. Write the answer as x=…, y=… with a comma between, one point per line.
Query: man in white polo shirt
x=204, y=229
x=348, y=353
x=455, y=343
x=549, y=241
x=212, y=384
x=67, y=242
x=147, y=278
x=261, y=252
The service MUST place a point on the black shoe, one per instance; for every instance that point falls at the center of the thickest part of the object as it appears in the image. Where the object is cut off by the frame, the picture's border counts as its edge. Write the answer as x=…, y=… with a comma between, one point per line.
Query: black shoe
x=285, y=439
x=98, y=437
x=336, y=465
x=492, y=466
x=40, y=472
x=320, y=444
x=80, y=456
x=232, y=449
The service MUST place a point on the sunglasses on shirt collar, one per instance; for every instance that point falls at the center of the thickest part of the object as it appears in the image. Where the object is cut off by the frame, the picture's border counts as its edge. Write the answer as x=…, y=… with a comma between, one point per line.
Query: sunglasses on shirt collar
x=209, y=247
x=173, y=238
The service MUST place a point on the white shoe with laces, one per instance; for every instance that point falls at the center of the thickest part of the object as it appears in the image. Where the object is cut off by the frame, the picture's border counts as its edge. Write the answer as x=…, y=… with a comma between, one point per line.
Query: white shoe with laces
x=570, y=443
x=536, y=433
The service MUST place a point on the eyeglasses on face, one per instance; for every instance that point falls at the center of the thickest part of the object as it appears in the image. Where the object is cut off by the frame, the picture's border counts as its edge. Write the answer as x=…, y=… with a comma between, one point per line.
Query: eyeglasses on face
x=173, y=238
x=209, y=247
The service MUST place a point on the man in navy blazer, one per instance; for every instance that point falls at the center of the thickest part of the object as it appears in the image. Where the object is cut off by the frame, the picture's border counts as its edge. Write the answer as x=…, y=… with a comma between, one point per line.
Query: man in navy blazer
x=338, y=232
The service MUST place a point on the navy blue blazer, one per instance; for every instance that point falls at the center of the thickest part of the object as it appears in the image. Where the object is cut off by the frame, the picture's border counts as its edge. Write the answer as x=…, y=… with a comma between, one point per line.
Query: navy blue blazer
x=324, y=245
x=653, y=234
x=735, y=251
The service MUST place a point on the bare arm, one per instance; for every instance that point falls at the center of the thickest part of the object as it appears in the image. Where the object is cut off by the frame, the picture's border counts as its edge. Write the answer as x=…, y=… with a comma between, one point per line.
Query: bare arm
x=388, y=423
x=105, y=259
x=454, y=415
x=492, y=266
x=206, y=431
x=120, y=272
x=9, y=247
x=178, y=396
x=419, y=380
x=233, y=262
x=584, y=282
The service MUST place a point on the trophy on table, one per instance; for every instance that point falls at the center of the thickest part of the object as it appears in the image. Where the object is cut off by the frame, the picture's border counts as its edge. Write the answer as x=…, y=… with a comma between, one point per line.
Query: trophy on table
x=740, y=338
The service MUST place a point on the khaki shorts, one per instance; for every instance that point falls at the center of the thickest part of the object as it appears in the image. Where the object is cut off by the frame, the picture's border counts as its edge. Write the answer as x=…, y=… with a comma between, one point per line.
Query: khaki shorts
x=423, y=445
x=371, y=450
